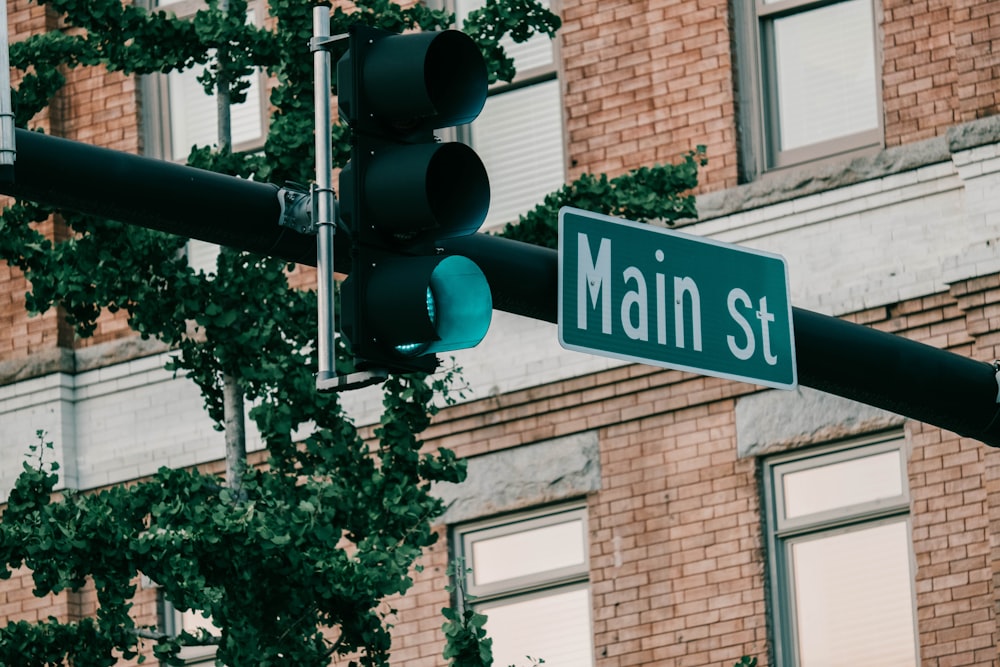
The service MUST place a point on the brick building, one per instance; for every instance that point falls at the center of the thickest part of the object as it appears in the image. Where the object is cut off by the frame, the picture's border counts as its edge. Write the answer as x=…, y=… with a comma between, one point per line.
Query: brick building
x=621, y=514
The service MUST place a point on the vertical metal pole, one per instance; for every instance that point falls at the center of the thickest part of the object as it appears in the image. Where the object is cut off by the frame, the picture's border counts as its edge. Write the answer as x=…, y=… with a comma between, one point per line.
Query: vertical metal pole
x=323, y=199
x=7, y=150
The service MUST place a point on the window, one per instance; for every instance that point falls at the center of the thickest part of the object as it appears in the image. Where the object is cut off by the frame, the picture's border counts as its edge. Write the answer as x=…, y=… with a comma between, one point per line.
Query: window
x=529, y=575
x=181, y=115
x=175, y=622
x=810, y=86
x=519, y=134
x=841, y=557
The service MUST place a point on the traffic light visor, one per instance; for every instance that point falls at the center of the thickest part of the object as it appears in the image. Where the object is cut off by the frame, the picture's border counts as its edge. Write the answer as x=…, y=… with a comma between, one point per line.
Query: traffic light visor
x=428, y=79
x=436, y=190
x=462, y=304
x=422, y=305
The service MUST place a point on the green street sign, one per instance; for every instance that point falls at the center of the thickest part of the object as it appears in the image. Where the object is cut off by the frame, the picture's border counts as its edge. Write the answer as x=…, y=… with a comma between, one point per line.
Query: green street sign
x=656, y=296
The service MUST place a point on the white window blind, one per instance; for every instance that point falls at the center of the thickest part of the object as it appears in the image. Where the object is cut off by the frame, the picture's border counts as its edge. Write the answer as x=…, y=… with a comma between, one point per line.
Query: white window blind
x=843, y=484
x=853, y=598
x=194, y=114
x=565, y=616
x=189, y=115
x=519, y=134
x=529, y=576
x=842, y=561
x=202, y=255
x=534, y=53
x=825, y=73
x=503, y=557
x=519, y=138
x=809, y=82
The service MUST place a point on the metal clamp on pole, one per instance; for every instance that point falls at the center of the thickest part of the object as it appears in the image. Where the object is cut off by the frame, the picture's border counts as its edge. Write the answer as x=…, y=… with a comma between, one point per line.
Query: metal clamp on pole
x=324, y=216
x=296, y=209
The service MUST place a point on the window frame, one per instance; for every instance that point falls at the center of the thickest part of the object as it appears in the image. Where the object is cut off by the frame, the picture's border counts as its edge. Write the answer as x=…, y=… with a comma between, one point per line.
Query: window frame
x=523, y=79
x=782, y=533
x=527, y=77
x=468, y=534
x=156, y=116
x=172, y=623
x=533, y=585
x=757, y=93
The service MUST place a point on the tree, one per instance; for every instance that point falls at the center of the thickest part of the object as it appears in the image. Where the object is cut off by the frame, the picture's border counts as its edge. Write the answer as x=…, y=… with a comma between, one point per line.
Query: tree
x=332, y=525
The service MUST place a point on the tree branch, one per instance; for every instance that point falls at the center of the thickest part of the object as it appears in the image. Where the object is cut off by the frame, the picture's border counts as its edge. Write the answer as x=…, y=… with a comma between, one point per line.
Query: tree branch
x=184, y=640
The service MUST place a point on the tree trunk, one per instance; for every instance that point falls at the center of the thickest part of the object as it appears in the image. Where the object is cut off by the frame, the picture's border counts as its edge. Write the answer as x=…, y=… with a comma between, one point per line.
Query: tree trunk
x=236, y=438
x=232, y=393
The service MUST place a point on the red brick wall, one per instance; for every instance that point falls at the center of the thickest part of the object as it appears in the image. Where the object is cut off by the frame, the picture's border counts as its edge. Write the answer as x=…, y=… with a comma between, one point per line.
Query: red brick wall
x=20, y=334
x=96, y=107
x=646, y=82
x=18, y=604
x=100, y=108
x=24, y=19
x=919, y=76
x=979, y=300
x=977, y=43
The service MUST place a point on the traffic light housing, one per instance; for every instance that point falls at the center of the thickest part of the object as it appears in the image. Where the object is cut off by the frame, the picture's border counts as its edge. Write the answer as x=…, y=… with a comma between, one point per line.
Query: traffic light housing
x=403, y=190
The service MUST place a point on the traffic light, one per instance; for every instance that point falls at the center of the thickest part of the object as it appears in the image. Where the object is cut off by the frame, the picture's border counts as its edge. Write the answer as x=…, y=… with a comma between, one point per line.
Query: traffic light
x=404, y=190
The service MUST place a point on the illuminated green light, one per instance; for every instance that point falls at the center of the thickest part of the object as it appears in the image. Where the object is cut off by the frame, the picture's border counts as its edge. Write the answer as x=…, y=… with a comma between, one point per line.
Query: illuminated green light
x=416, y=349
